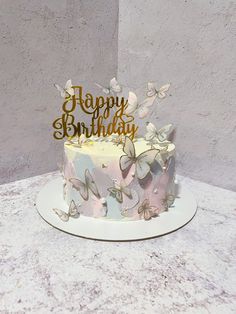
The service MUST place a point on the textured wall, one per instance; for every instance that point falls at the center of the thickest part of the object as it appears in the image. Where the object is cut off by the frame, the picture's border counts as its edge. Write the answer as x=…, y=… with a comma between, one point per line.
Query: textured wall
x=43, y=42
x=193, y=45
x=190, y=43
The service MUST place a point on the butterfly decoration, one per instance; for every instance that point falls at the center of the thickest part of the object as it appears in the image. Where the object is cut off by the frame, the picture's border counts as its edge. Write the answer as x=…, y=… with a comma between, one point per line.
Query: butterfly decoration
x=77, y=142
x=68, y=91
x=168, y=201
x=84, y=187
x=142, y=162
x=160, y=135
x=114, y=87
x=147, y=211
x=133, y=106
x=160, y=93
x=118, y=140
x=118, y=190
x=73, y=212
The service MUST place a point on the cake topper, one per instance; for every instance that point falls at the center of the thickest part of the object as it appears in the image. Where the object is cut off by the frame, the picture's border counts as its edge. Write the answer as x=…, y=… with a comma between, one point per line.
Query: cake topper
x=109, y=115
x=103, y=120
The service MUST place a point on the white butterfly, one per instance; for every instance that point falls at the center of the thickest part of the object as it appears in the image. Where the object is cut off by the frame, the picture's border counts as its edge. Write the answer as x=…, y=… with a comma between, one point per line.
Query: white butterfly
x=84, y=187
x=118, y=190
x=168, y=201
x=160, y=93
x=67, y=91
x=142, y=162
x=134, y=106
x=73, y=212
x=114, y=87
x=147, y=211
x=161, y=135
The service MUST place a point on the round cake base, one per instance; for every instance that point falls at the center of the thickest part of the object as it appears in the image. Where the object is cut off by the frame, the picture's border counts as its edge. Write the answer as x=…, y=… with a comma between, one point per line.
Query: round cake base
x=51, y=196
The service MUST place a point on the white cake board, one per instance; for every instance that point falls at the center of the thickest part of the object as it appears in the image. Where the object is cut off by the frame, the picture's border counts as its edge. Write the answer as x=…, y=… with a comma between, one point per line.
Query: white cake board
x=51, y=196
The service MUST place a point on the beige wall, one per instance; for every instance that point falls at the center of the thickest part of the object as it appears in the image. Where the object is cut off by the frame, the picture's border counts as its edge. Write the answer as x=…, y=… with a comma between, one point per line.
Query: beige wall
x=190, y=43
x=193, y=45
x=43, y=42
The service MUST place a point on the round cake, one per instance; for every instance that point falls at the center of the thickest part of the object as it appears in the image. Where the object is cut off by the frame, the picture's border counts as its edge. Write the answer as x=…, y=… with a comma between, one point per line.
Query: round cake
x=118, y=178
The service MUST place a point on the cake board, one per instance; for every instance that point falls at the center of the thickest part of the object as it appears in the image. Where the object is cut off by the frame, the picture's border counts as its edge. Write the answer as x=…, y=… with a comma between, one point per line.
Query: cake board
x=51, y=196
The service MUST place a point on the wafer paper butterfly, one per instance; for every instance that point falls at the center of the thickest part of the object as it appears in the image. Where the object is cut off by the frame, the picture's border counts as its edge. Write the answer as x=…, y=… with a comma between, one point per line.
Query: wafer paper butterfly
x=118, y=190
x=147, y=211
x=134, y=106
x=142, y=162
x=73, y=212
x=114, y=87
x=161, y=135
x=160, y=93
x=67, y=91
x=84, y=187
x=168, y=201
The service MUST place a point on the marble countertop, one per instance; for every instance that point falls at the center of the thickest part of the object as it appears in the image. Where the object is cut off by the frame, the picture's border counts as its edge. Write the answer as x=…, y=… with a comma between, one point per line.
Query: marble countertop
x=44, y=270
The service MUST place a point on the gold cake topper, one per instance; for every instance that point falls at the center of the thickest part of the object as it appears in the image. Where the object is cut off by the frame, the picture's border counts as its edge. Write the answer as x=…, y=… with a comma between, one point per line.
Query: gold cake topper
x=107, y=115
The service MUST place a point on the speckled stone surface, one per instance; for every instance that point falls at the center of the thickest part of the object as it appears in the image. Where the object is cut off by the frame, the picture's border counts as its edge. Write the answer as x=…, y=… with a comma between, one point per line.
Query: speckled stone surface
x=44, y=270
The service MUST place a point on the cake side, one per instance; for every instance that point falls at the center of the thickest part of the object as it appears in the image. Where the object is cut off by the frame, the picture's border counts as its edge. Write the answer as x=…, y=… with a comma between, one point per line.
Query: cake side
x=122, y=181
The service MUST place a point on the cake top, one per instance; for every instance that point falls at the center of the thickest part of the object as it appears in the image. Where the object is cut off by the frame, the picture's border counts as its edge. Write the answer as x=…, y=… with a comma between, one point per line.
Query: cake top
x=113, y=146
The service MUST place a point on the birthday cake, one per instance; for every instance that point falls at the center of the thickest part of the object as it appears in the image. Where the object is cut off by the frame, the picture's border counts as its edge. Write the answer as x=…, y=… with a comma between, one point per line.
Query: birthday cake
x=110, y=171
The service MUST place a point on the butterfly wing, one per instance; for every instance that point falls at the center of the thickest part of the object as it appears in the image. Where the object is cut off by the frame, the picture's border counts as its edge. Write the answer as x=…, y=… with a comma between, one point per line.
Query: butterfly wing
x=143, y=162
x=114, y=86
x=61, y=90
x=160, y=160
x=69, y=88
x=73, y=210
x=126, y=191
x=117, y=194
x=164, y=132
x=112, y=190
x=132, y=103
x=81, y=187
x=91, y=183
x=151, y=131
x=150, y=212
x=151, y=89
x=143, y=206
x=129, y=148
x=127, y=160
x=61, y=214
x=147, y=214
x=170, y=200
x=162, y=91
